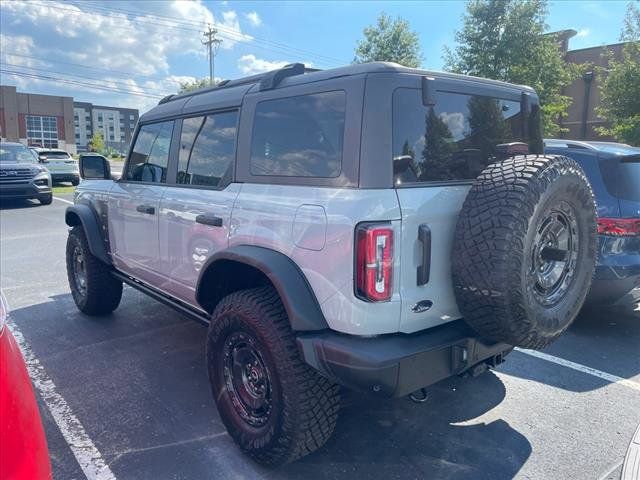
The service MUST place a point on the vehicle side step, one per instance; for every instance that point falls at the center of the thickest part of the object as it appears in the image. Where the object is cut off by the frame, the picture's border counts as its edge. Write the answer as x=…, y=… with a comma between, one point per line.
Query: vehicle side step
x=180, y=307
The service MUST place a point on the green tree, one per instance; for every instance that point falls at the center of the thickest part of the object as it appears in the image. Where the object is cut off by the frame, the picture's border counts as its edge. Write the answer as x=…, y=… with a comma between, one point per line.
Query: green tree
x=438, y=146
x=389, y=41
x=620, y=85
x=194, y=85
x=505, y=40
x=97, y=142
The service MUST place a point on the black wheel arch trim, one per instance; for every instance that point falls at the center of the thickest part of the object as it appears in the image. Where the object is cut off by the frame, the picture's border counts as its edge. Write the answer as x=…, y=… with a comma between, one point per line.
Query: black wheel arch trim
x=84, y=215
x=297, y=296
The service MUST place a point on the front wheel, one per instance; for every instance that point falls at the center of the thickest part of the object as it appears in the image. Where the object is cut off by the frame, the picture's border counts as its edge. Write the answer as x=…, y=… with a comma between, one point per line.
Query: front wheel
x=275, y=407
x=93, y=288
x=46, y=199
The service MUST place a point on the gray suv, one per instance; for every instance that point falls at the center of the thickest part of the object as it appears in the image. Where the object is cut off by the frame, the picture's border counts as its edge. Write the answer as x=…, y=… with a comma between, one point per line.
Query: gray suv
x=374, y=227
x=21, y=176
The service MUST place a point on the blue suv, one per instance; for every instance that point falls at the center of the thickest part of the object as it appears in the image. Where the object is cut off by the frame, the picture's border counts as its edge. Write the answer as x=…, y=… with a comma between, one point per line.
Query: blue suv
x=614, y=172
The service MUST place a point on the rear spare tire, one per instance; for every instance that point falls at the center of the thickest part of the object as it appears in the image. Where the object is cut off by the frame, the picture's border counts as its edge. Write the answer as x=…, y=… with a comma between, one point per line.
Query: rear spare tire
x=524, y=249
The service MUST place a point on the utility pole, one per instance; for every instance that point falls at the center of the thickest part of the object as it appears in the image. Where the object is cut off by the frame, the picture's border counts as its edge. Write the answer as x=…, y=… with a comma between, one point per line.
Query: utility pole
x=212, y=44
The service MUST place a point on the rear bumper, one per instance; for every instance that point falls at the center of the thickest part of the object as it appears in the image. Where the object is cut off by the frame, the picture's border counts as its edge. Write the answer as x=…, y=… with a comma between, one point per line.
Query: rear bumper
x=65, y=177
x=23, y=190
x=618, y=269
x=398, y=364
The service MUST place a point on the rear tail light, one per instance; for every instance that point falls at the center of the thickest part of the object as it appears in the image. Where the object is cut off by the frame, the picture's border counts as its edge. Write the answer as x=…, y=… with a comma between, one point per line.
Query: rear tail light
x=374, y=262
x=619, y=227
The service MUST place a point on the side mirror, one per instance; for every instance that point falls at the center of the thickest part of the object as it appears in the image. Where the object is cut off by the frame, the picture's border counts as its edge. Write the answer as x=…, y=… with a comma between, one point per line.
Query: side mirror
x=94, y=167
x=43, y=159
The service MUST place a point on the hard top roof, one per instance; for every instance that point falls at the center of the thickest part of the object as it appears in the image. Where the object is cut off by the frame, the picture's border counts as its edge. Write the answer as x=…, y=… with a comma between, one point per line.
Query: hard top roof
x=231, y=92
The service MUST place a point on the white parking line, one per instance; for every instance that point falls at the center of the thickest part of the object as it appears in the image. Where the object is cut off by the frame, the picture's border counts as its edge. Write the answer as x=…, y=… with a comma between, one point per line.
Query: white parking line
x=86, y=453
x=583, y=368
x=63, y=200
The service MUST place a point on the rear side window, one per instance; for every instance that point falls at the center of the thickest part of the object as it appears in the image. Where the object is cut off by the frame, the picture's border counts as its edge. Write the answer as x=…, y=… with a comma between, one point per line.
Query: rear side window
x=207, y=149
x=455, y=139
x=150, y=154
x=299, y=136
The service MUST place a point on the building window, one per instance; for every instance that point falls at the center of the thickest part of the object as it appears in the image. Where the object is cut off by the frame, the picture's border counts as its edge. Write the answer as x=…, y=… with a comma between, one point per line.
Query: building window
x=132, y=117
x=42, y=131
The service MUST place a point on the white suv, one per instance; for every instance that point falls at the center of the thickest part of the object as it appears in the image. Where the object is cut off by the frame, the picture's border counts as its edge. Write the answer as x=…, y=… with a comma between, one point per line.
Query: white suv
x=372, y=226
x=61, y=165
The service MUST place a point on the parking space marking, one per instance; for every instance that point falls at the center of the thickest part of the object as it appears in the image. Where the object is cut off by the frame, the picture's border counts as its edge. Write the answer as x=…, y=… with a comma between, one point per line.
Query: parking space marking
x=63, y=200
x=86, y=453
x=582, y=368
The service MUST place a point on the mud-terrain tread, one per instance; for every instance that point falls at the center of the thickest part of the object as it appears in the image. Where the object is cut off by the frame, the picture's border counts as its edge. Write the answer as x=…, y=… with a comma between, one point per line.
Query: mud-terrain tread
x=310, y=401
x=104, y=291
x=488, y=250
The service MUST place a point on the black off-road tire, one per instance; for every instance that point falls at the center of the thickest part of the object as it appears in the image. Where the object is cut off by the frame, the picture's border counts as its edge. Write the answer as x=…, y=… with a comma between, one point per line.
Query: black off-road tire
x=304, y=407
x=102, y=292
x=498, y=252
x=46, y=199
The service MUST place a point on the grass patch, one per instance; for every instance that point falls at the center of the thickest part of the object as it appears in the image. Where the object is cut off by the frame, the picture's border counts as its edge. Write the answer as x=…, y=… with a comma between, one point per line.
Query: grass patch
x=64, y=189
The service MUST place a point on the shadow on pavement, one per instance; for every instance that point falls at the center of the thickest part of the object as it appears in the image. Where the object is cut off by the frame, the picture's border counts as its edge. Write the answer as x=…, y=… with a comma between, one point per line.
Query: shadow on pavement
x=14, y=204
x=378, y=438
x=137, y=381
x=602, y=337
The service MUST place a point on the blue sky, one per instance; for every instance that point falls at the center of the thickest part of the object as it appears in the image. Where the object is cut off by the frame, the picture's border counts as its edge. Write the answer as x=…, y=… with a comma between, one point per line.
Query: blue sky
x=129, y=53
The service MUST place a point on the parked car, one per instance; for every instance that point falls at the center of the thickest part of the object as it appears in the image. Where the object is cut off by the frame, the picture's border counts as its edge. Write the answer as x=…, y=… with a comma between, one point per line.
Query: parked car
x=61, y=165
x=382, y=238
x=23, y=445
x=613, y=169
x=21, y=176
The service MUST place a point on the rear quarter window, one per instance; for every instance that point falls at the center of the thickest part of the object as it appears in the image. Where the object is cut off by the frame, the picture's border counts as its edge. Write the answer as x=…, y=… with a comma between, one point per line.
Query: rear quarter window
x=455, y=139
x=299, y=136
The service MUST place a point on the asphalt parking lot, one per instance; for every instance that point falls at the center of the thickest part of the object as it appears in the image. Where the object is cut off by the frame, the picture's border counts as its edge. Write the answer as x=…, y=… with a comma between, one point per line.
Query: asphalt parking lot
x=127, y=396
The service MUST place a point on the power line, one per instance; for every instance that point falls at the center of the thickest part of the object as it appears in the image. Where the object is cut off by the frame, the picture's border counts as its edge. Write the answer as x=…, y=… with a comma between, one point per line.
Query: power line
x=108, y=70
x=75, y=82
x=117, y=83
x=233, y=35
x=219, y=27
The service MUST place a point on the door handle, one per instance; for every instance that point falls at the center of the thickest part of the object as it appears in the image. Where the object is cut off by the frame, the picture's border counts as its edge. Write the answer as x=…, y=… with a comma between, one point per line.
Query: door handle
x=146, y=209
x=210, y=220
x=424, y=237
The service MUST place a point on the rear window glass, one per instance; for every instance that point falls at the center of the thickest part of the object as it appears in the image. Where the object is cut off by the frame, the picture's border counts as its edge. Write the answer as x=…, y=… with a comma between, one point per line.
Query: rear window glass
x=299, y=136
x=55, y=155
x=622, y=177
x=455, y=139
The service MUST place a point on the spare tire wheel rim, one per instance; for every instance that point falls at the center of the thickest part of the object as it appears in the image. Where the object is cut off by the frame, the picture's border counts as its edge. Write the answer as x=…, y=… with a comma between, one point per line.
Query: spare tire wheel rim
x=247, y=379
x=554, y=254
x=79, y=271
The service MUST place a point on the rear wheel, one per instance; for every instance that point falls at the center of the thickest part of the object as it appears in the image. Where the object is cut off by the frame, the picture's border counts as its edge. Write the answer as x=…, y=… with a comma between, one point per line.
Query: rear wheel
x=75, y=182
x=525, y=249
x=94, y=289
x=274, y=406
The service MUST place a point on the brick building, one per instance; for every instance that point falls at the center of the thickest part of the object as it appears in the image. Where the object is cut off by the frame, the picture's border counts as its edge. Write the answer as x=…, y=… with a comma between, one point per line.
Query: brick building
x=59, y=122
x=38, y=120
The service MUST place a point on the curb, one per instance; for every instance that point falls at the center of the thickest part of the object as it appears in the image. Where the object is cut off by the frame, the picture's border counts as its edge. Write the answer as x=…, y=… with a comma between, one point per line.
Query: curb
x=631, y=467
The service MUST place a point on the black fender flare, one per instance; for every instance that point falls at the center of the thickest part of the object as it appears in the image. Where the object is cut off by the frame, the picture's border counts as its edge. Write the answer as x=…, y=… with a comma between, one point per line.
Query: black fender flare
x=84, y=215
x=296, y=294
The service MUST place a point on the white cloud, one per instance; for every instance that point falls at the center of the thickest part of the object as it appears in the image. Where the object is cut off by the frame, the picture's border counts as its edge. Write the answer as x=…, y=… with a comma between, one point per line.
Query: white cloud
x=140, y=44
x=583, y=32
x=250, y=64
x=254, y=19
x=455, y=123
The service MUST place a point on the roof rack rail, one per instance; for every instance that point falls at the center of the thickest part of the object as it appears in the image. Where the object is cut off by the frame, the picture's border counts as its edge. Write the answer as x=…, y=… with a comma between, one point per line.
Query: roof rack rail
x=267, y=81
x=271, y=80
x=166, y=99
